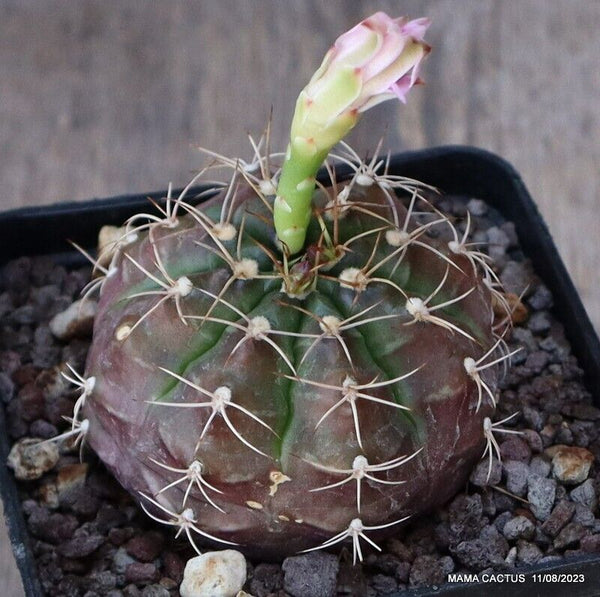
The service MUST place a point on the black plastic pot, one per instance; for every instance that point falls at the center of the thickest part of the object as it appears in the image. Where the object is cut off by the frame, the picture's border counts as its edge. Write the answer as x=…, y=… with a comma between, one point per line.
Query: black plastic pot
x=453, y=169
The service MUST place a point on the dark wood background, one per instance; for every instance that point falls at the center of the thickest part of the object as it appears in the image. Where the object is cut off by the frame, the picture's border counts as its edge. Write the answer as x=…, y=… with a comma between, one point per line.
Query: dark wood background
x=102, y=97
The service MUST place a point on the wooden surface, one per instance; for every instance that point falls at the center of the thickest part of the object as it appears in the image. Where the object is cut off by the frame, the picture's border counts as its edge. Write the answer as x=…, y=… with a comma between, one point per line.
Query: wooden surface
x=105, y=97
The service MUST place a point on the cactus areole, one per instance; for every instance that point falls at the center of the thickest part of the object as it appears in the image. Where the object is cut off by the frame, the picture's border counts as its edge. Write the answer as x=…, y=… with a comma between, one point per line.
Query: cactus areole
x=287, y=367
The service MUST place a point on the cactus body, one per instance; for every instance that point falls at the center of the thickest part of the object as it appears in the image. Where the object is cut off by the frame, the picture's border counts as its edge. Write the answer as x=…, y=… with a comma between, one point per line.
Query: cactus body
x=235, y=388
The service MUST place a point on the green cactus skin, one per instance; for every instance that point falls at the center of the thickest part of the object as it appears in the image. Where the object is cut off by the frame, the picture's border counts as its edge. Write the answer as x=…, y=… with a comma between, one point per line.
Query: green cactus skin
x=263, y=484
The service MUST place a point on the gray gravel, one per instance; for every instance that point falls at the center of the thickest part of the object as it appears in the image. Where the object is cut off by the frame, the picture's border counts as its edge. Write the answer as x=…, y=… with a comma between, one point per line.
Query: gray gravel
x=585, y=494
x=517, y=474
x=311, y=575
x=519, y=527
x=541, y=494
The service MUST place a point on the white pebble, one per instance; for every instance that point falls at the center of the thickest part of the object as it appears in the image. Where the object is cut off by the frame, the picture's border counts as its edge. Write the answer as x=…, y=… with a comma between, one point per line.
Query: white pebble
x=214, y=574
x=77, y=320
x=110, y=238
x=30, y=458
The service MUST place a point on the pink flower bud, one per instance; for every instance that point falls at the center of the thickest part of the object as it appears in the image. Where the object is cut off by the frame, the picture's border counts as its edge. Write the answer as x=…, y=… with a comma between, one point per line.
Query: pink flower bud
x=383, y=53
x=377, y=60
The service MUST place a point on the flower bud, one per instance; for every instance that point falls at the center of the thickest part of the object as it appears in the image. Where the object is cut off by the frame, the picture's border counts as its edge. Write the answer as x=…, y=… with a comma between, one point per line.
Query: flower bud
x=376, y=60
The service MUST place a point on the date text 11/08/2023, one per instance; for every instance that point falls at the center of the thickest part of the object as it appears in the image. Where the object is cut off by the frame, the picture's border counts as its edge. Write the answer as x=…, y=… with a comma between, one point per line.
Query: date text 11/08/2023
x=540, y=577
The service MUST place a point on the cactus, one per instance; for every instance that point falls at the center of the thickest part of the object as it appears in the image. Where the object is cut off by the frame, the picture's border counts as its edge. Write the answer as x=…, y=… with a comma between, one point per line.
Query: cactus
x=287, y=394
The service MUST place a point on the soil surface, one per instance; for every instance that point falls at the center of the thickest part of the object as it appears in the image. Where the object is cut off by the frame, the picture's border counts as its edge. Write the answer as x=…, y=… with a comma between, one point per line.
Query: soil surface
x=538, y=504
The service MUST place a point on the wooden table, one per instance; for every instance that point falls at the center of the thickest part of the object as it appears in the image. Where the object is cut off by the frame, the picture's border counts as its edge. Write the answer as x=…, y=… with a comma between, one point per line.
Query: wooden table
x=105, y=97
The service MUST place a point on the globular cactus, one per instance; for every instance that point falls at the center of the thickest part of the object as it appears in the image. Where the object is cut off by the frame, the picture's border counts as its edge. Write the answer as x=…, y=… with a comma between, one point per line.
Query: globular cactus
x=286, y=395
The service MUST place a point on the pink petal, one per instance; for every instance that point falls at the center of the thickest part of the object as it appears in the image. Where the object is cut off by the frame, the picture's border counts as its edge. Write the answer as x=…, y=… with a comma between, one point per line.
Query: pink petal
x=376, y=99
x=379, y=22
x=389, y=51
x=401, y=87
x=351, y=47
x=404, y=63
x=416, y=28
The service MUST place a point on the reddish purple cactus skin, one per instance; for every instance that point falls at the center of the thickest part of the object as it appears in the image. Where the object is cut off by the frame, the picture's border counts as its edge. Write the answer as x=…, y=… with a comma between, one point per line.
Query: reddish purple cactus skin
x=267, y=504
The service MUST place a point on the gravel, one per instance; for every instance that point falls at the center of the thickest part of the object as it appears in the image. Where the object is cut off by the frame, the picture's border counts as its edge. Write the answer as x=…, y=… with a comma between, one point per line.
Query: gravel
x=540, y=466
x=570, y=464
x=81, y=545
x=516, y=277
x=267, y=579
x=121, y=559
x=541, y=494
x=140, y=573
x=590, y=543
x=465, y=517
x=585, y=494
x=383, y=585
x=482, y=475
x=541, y=298
x=430, y=570
x=488, y=550
x=570, y=536
x=89, y=538
x=560, y=516
x=311, y=575
x=146, y=547
x=517, y=474
x=528, y=553
x=519, y=527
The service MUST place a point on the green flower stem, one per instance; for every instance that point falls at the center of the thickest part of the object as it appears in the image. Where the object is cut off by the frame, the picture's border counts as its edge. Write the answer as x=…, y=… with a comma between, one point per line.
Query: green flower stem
x=375, y=61
x=294, y=194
